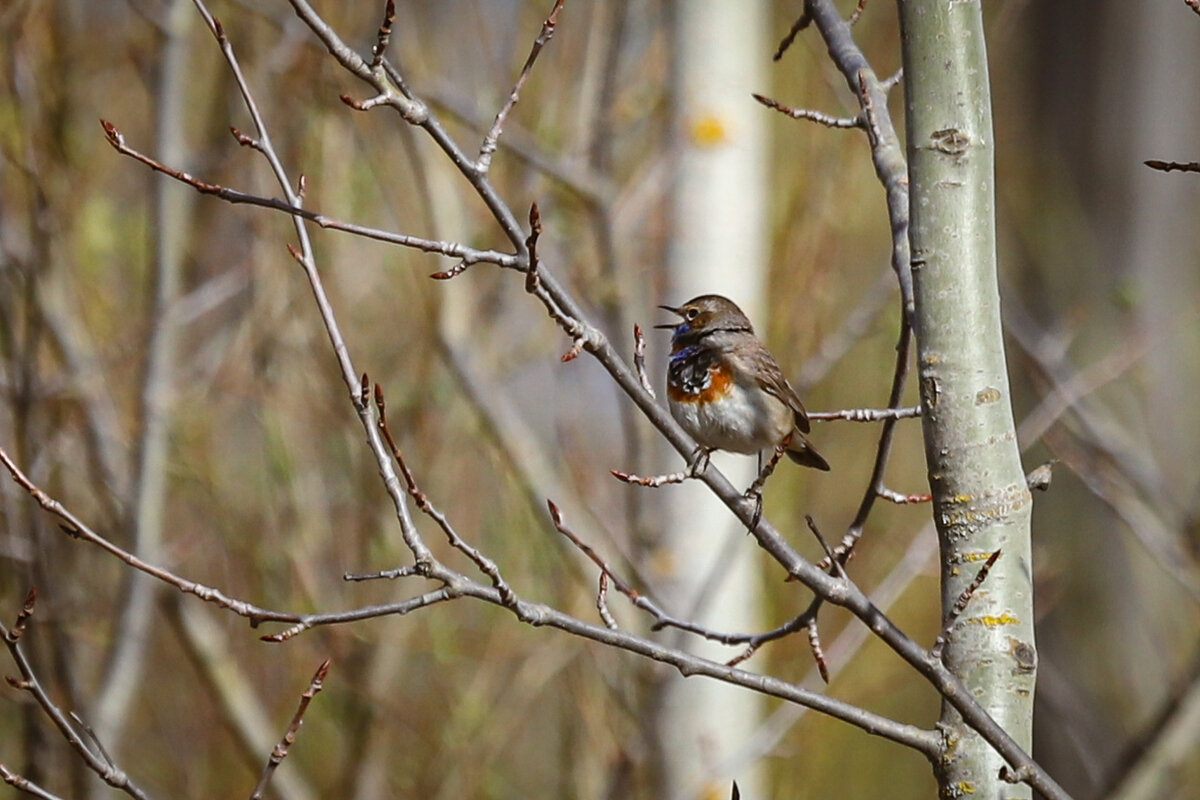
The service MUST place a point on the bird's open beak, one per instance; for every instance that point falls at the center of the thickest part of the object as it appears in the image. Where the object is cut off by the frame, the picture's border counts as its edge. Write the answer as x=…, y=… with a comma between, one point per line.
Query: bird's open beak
x=670, y=325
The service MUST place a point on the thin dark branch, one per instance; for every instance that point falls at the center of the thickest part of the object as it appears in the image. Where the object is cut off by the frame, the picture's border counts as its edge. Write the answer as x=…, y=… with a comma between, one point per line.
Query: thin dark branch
x=819, y=117
x=77, y=528
x=960, y=604
x=98, y=762
x=535, y=233
x=485, y=564
x=802, y=22
x=384, y=37
x=469, y=255
x=662, y=619
x=280, y=751
x=1172, y=166
x=488, y=148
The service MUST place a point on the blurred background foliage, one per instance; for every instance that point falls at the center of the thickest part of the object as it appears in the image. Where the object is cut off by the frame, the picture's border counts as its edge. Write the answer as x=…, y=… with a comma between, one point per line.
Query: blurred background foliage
x=272, y=496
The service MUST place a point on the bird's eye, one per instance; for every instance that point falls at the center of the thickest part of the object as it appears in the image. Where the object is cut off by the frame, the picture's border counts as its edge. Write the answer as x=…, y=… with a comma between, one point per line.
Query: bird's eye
x=691, y=314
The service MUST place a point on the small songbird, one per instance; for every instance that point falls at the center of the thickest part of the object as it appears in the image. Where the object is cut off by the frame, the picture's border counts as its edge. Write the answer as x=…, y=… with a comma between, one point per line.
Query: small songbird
x=727, y=390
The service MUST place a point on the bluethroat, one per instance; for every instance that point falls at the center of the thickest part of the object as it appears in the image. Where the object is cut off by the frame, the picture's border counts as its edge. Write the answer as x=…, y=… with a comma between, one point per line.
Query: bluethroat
x=726, y=389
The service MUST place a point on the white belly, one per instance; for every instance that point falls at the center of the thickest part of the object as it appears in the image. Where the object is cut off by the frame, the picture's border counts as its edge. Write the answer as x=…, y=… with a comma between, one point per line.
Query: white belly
x=742, y=422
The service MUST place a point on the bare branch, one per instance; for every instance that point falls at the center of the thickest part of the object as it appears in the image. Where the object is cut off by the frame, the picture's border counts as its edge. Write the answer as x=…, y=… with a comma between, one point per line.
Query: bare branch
x=602, y=603
x=802, y=22
x=866, y=414
x=858, y=10
x=97, y=762
x=384, y=37
x=469, y=255
x=818, y=117
x=488, y=148
x=279, y=753
x=961, y=604
x=393, y=94
x=814, y=644
x=652, y=481
x=535, y=232
x=888, y=83
x=639, y=359
x=23, y=784
x=485, y=564
x=1171, y=166
x=902, y=499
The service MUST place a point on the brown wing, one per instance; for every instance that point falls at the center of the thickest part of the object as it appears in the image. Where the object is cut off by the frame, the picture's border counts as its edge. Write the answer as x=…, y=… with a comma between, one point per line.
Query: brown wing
x=770, y=378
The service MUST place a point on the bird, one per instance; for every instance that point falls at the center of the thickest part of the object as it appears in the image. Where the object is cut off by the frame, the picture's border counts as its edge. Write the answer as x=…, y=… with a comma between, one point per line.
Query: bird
x=726, y=389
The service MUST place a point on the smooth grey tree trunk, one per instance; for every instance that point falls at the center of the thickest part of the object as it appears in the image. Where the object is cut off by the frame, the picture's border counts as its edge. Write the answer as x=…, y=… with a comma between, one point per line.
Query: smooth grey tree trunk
x=981, y=502
x=718, y=245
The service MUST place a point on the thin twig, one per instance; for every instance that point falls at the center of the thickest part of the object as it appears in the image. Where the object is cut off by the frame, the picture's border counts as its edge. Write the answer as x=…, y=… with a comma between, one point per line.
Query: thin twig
x=835, y=564
x=469, y=255
x=77, y=528
x=1171, y=166
x=384, y=574
x=662, y=619
x=18, y=628
x=858, y=10
x=890, y=82
x=802, y=22
x=814, y=644
x=602, y=603
x=279, y=753
x=99, y=763
x=488, y=148
x=652, y=481
x=866, y=414
x=819, y=117
x=639, y=359
x=23, y=784
x=485, y=564
x=535, y=233
x=902, y=499
x=961, y=604
x=384, y=36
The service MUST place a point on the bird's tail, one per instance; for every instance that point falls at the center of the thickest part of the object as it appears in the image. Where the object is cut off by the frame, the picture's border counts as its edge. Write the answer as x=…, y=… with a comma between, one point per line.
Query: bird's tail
x=801, y=451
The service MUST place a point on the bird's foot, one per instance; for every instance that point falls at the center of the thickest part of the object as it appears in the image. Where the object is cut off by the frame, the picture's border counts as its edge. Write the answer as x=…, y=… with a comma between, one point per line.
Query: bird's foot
x=699, y=461
x=754, y=494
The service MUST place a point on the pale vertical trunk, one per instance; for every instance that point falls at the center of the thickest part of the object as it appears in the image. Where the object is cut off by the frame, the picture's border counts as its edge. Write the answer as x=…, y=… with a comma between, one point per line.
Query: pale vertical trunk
x=173, y=201
x=707, y=567
x=981, y=503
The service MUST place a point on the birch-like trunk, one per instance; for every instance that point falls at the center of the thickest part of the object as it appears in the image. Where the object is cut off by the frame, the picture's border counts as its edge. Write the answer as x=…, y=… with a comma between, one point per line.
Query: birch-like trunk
x=981, y=502
x=718, y=244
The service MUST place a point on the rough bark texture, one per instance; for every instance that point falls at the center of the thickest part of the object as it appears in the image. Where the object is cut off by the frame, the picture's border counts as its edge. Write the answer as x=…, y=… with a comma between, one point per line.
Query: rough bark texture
x=981, y=502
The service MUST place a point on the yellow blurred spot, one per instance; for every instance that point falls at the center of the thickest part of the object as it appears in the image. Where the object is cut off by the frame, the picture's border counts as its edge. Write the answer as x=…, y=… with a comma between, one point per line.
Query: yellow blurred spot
x=709, y=131
x=994, y=621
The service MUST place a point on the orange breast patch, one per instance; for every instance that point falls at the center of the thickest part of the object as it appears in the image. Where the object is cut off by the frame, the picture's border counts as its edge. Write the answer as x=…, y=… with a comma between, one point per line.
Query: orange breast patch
x=719, y=381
